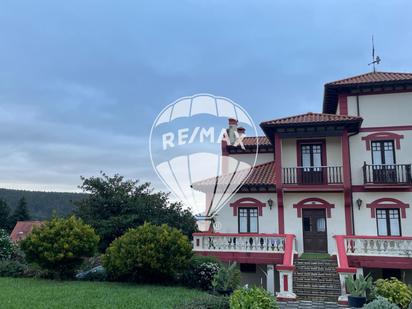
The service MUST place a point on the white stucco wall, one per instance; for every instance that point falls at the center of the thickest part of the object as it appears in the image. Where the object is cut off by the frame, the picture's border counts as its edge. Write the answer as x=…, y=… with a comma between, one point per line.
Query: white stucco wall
x=333, y=151
x=366, y=225
x=335, y=224
x=268, y=222
x=359, y=154
x=383, y=109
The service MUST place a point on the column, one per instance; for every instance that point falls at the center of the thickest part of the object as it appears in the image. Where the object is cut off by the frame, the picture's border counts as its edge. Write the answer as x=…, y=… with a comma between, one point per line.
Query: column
x=270, y=279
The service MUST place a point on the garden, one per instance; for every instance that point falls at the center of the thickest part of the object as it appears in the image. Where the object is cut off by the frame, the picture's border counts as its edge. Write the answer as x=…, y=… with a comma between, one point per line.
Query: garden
x=125, y=247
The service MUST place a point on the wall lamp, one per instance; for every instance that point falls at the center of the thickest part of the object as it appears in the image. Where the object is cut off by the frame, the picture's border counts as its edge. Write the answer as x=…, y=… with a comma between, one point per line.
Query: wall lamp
x=270, y=203
x=359, y=203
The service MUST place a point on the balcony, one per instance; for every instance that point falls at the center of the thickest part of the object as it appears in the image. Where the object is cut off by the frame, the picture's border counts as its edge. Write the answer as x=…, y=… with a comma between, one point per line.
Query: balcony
x=393, y=174
x=258, y=243
x=321, y=175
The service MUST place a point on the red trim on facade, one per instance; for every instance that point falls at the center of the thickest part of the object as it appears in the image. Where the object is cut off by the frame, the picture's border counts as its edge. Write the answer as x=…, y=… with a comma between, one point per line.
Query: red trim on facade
x=379, y=136
x=247, y=202
x=382, y=187
x=313, y=203
x=240, y=234
x=379, y=237
x=313, y=188
x=278, y=182
x=347, y=183
x=392, y=128
x=342, y=257
x=285, y=283
x=381, y=262
x=387, y=202
x=245, y=257
x=343, y=104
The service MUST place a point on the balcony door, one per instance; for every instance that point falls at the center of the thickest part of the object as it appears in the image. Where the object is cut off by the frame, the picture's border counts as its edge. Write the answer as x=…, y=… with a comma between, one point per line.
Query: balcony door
x=383, y=160
x=314, y=230
x=311, y=172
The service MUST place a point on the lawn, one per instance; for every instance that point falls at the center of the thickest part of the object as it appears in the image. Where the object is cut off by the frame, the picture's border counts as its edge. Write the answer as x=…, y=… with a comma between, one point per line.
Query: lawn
x=34, y=293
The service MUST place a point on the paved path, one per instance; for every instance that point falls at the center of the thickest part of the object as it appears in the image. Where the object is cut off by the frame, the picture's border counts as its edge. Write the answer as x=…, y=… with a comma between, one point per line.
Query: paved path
x=309, y=305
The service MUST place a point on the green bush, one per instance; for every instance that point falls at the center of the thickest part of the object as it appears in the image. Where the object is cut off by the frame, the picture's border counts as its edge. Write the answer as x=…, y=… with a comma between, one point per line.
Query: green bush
x=12, y=268
x=206, y=302
x=380, y=303
x=395, y=291
x=148, y=253
x=7, y=247
x=200, y=272
x=227, y=278
x=60, y=245
x=254, y=298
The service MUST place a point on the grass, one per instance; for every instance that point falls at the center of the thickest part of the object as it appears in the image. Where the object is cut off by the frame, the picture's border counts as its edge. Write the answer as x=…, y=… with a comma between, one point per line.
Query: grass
x=44, y=294
x=315, y=256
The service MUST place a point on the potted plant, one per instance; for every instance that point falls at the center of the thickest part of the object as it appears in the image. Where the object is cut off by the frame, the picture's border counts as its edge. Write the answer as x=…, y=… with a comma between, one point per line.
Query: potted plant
x=226, y=280
x=357, y=288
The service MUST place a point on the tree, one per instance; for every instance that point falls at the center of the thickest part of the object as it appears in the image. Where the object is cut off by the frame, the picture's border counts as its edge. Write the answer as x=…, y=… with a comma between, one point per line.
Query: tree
x=60, y=245
x=115, y=205
x=4, y=215
x=21, y=213
x=148, y=253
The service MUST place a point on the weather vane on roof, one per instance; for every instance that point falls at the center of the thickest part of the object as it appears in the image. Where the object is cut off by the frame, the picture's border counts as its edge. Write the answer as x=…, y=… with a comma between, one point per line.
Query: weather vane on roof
x=376, y=60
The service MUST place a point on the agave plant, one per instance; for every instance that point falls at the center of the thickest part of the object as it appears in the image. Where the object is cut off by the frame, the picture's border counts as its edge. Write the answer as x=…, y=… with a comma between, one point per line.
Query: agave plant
x=359, y=286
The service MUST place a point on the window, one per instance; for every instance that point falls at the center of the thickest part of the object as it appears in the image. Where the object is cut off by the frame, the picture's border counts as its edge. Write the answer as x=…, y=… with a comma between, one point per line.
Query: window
x=248, y=220
x=311, y=155
x=383, y=152
x=388, y=221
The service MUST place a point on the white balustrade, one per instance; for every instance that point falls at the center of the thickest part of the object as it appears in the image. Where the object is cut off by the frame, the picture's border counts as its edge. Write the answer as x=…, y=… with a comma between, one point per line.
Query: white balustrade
x=385, y=246
x=239, y=243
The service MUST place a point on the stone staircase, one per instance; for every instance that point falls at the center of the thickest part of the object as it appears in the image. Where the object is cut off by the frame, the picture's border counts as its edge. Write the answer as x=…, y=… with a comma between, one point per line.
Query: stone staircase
x=316, y=280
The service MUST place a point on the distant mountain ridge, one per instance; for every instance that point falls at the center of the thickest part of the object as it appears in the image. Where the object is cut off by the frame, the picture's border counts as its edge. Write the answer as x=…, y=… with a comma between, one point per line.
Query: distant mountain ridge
x=42, y=204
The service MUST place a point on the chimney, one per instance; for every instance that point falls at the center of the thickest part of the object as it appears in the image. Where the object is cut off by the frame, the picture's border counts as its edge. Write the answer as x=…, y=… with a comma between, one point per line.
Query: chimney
x=241, y=130
x=231, y=130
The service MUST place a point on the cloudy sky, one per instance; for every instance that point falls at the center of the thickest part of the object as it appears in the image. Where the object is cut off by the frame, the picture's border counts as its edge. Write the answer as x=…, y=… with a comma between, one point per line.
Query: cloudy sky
x=82, y=81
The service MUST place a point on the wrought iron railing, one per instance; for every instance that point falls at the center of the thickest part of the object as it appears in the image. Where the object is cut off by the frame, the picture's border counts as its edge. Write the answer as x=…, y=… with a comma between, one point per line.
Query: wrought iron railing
x=312, y=175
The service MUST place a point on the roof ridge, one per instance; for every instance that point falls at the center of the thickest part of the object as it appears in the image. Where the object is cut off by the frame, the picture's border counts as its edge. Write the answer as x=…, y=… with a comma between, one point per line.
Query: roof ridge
x=367, y=74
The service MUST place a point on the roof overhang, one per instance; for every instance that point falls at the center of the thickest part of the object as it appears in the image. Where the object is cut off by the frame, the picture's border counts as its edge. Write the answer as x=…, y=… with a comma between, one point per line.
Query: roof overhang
x=332, y=91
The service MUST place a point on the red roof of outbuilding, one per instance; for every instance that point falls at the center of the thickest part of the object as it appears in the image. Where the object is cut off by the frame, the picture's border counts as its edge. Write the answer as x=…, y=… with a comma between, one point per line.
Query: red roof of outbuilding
x=262, y=174
x=310, y=118
x=23, y=228
x=251, y=141
x=373, y=77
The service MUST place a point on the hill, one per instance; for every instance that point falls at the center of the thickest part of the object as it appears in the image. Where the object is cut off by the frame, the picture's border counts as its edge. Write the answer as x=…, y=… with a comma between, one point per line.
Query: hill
x=42, y=204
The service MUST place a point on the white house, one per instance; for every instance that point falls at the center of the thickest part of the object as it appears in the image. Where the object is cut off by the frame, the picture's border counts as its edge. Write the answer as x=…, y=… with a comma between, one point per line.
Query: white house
x=336, y=182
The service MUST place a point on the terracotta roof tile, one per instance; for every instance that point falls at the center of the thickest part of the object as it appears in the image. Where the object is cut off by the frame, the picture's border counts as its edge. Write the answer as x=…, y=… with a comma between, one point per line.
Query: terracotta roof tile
x=251, y=141
x=372, y=77
x=310, y=118
x=23, y=228
x=262, y=174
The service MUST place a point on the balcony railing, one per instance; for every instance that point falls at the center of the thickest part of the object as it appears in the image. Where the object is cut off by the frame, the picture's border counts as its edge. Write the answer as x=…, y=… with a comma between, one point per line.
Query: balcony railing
x=320, y=175
x=387, y=174
x=263, y=243
x=378, y=246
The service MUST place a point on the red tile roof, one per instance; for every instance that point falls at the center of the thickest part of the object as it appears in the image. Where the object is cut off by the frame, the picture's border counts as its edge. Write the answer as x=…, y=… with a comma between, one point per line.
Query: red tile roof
x=373, y=77
x=23, y=228
x=251, y=141
x=310, y=118
x=262, y=174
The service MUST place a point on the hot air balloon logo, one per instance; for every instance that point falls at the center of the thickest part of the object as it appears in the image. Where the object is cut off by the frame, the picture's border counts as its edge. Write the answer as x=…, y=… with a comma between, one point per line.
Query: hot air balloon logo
x=187, y=149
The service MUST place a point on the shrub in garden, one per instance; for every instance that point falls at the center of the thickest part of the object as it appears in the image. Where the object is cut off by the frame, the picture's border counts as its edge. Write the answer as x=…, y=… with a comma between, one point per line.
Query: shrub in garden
x=395, y=291
x=13, y=268
x=7, y=247
x=148, y=253
x=252, y=298
x=226, y=279
x=380, y=303
x=200, y=272
x=60, y=245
